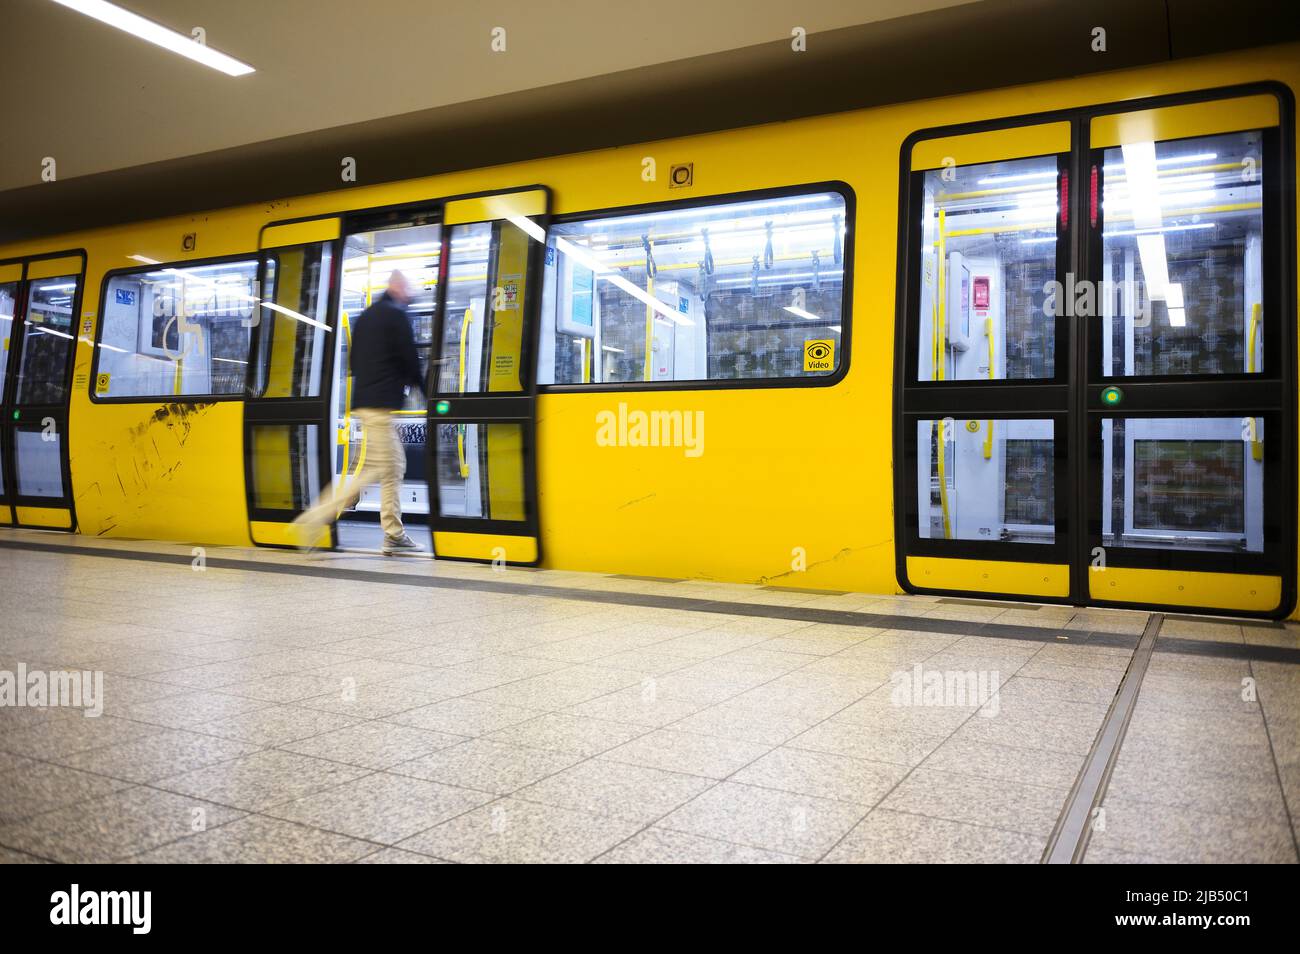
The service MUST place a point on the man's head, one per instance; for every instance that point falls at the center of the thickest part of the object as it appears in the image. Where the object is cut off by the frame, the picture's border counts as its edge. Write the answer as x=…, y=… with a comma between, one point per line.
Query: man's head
x=399, y=289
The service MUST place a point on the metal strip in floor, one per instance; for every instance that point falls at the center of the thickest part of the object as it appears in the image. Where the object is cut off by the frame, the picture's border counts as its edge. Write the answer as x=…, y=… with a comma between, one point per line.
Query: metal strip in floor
x=1069, y=838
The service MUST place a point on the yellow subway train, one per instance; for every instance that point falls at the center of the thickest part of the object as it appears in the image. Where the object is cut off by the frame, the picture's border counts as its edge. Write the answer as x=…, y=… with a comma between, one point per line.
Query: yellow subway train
x=1035, y=344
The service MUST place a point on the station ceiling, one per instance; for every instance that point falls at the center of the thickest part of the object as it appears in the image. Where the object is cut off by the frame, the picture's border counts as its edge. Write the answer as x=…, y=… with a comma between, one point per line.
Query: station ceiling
x=412, y=87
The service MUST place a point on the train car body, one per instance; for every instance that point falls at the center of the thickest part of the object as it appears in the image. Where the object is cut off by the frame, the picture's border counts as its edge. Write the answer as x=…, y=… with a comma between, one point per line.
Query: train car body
x=1035, y=343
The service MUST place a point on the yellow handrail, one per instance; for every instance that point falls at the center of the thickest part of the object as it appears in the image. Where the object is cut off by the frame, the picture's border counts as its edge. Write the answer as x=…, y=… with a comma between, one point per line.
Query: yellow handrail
x=941, y=358
x=1256, y=317
x=647, y=373
x=344, y=434
x=988, y=435
x=461, y=379
x=586, y=360
x=940, y=345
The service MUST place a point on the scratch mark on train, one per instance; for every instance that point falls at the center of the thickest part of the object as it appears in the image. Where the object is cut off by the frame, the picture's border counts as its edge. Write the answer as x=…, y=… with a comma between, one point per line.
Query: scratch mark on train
x=150, y=457
x=637, y=501
x=839, y=555
x=177, y=418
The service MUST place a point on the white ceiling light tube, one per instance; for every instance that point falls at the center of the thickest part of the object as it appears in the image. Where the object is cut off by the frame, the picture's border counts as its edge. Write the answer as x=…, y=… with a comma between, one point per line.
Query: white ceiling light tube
x=158, y=34
x=1144, y=192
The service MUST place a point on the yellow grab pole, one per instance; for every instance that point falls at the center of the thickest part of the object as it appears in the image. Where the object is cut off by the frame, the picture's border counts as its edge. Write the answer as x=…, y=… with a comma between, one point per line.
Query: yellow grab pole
x=941, y=357
x=1256, y=317
x=648, y=371
x=988, y=435
x=461, y=379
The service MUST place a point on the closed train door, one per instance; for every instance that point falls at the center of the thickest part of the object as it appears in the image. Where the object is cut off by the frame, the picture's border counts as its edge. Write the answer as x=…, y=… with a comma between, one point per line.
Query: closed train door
x=40, y=301
x=482, y=440
x=1096, y=349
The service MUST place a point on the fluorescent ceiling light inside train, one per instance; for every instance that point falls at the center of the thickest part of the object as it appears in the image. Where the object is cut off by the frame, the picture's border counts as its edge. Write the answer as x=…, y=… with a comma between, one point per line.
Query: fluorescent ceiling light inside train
x=157, y=34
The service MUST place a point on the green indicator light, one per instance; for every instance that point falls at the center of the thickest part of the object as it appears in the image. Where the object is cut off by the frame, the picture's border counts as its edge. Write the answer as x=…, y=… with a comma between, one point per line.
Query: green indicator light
x=442, y=407
x=1112, y=396
x=15, y=415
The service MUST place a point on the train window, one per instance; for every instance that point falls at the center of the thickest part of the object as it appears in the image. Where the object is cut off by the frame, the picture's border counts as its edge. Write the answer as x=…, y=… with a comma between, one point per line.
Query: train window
x=284, y=469
x=734, y=291
x=8, y=308
x=47, y=341
x=1182, y=257
x=369, y=258
x=481, y=471
x=1190, y=483
x=988, y=258
x=466, y=334
x=294, y=323
x=39, y=459
x=177, y=330
x=1012, y=501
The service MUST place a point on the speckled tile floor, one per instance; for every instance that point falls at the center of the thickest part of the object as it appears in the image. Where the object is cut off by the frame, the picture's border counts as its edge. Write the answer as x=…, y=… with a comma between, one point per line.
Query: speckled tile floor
x=272, y=708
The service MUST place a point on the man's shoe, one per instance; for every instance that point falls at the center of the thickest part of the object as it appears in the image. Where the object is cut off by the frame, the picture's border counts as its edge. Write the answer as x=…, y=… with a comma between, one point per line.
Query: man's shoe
x=402, y=544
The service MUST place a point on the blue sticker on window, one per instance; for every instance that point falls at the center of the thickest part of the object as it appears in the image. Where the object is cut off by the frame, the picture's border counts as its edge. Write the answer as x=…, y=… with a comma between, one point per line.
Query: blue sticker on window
x=125, y=296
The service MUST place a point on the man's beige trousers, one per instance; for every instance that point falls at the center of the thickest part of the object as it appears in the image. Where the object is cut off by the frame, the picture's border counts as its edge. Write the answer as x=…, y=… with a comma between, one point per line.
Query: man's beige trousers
x=385, y=464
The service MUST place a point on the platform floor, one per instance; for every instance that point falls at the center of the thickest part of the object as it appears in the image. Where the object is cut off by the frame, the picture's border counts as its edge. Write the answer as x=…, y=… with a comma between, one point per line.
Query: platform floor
x=264, y=706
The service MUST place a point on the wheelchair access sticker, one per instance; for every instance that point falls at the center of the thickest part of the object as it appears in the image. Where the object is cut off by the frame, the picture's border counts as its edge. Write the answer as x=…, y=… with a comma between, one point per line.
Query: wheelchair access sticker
x=818, y=355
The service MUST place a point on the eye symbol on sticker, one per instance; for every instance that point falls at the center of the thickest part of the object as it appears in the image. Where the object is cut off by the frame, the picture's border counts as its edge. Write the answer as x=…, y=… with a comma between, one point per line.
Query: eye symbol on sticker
x=818, y=350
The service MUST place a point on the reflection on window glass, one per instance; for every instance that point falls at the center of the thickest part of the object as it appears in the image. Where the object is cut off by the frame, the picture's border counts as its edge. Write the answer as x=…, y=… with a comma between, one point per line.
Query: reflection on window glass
x=285, y=466
x=8, y=308
x=467, y=335
x=293, y=335
x=48, y=340
x=990, y=480
x=722, y=292
x=1182, y=257
x=369, y=258
x=177, y=330
x=39, y=463
x=1194, y=483
x=988, y=258
x=481, y=471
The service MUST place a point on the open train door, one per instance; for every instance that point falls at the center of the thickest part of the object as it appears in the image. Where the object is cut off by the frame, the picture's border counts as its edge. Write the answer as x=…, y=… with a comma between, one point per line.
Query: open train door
x=288, y=441
x=482, y=400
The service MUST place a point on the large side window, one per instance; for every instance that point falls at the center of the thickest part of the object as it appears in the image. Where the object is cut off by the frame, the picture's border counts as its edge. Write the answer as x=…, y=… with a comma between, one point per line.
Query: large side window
x=177, y=330
x=732, y=291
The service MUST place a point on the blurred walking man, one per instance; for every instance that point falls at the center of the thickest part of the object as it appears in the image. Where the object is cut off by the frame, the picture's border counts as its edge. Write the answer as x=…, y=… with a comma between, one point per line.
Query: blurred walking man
x=383, y=363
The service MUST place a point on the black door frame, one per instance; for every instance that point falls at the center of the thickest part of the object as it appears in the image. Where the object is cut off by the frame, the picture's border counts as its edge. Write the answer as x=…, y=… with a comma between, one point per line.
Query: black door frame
x=516, y=407
x=290, y=411
x=13, y=417
x=1078, y=462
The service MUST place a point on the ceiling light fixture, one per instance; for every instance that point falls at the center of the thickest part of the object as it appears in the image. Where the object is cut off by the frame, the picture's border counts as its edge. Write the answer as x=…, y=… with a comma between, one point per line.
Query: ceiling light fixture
x=157, y=34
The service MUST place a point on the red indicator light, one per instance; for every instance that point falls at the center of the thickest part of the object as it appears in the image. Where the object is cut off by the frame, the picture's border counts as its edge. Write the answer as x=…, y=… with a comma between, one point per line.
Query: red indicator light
x=1092, y=199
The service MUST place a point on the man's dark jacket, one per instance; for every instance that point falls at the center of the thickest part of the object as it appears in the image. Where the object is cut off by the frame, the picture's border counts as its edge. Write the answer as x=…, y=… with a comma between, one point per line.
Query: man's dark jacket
x=383, y=359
